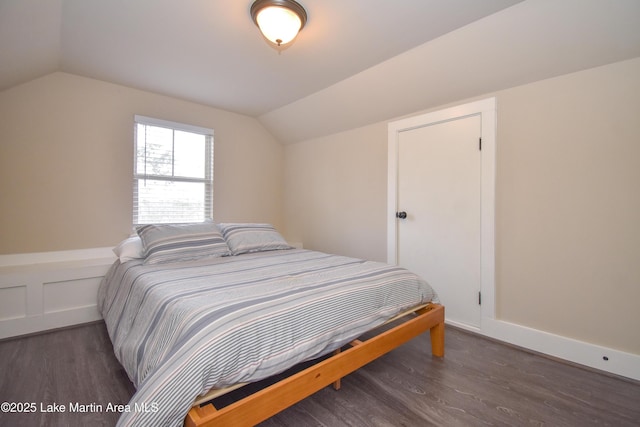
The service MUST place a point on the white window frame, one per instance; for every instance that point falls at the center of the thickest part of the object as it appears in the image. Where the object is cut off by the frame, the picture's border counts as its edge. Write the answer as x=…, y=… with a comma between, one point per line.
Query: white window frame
x=141, y=175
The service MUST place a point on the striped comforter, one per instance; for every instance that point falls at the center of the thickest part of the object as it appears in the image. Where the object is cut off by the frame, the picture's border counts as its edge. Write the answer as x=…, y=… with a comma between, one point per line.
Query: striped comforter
x=182, y=329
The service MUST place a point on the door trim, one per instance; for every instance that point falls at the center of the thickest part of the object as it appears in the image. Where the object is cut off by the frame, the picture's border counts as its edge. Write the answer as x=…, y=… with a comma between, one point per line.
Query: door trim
x=486, y=109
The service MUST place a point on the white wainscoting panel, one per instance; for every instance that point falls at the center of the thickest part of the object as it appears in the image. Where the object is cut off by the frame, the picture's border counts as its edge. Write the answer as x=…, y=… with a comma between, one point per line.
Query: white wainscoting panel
x=13, y=302
x=45, y=291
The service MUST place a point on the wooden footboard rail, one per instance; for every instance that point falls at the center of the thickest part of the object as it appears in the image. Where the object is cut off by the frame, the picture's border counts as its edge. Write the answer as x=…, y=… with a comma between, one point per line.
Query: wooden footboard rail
x=265, y=403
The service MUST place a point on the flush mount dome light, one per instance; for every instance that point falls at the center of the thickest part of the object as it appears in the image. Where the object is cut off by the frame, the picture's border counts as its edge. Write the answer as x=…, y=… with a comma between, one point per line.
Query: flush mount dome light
x=279, y=20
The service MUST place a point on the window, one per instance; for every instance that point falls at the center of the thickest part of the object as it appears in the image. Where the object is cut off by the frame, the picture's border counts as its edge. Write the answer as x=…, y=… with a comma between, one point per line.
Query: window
x=173, y=172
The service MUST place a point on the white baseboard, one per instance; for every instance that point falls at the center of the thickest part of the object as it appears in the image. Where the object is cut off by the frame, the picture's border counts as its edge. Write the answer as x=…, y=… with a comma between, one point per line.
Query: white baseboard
x=580, y=352
x=40, y=323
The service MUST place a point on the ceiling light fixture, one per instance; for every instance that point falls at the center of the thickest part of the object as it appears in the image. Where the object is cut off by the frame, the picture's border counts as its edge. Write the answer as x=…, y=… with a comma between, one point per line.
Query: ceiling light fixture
x=279, y=20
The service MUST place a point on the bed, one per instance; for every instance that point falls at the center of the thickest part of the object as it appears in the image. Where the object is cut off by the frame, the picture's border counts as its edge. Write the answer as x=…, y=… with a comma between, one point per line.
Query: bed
x=208, y=307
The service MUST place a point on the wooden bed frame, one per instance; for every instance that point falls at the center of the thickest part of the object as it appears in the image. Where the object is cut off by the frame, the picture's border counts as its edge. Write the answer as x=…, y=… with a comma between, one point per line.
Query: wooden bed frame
x=267, y=402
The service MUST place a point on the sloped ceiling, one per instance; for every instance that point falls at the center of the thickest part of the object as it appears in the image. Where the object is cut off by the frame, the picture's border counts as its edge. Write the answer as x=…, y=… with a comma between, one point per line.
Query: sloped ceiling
x=356, y=61
x=528, y=42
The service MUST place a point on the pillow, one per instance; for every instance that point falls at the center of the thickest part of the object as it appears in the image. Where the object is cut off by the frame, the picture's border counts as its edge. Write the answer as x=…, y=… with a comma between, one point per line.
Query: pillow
x=243, y=238
x=129, y=249
x=165, y=243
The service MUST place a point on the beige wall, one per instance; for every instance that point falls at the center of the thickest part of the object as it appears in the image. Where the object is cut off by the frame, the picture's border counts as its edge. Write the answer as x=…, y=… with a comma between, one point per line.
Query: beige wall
x=66, y=162
x=335, y=193
x=568, y=204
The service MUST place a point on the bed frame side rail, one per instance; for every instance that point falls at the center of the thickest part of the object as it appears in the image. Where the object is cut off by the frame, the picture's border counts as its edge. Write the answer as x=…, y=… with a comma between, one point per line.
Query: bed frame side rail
x=267, y=402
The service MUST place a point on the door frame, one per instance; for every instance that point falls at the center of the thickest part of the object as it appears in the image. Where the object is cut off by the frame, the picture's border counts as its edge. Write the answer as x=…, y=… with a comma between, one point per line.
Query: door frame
x=486, y=109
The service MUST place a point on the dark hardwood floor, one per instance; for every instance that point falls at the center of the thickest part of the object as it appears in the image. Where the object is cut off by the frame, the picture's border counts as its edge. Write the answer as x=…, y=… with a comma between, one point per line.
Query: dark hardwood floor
x=478, y=382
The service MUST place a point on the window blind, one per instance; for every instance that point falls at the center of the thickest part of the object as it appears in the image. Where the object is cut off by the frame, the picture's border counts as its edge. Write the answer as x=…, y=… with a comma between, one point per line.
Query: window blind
x=173, y=172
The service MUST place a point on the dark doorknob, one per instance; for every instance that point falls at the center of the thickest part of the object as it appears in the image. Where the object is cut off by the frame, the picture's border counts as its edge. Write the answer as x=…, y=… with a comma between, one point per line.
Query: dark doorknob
x=401, y=215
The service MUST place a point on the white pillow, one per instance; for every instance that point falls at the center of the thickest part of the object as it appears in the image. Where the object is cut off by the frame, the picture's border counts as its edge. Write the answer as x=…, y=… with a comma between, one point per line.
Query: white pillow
x=129, y=249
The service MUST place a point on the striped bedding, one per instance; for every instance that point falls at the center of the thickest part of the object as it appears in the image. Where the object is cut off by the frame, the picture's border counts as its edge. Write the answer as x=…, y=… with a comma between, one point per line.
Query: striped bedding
x=181, y=329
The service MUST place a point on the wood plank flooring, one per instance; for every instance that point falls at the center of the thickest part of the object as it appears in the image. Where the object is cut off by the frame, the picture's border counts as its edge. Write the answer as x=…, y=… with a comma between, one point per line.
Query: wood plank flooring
x=479, y=382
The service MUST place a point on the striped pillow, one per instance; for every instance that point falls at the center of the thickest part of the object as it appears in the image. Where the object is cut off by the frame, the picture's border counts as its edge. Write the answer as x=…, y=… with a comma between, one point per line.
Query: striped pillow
x=243, y=238
x=163, y=243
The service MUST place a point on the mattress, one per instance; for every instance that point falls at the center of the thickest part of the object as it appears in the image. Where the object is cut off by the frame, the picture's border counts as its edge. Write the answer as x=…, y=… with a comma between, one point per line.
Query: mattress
x=182, y=329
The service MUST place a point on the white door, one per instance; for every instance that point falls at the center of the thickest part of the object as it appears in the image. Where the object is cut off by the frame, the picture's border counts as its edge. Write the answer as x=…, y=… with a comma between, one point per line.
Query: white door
x=439, y=189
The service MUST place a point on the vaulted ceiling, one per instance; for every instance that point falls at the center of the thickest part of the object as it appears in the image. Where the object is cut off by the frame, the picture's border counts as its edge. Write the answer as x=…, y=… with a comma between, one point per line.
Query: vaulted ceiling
x=376, y=58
